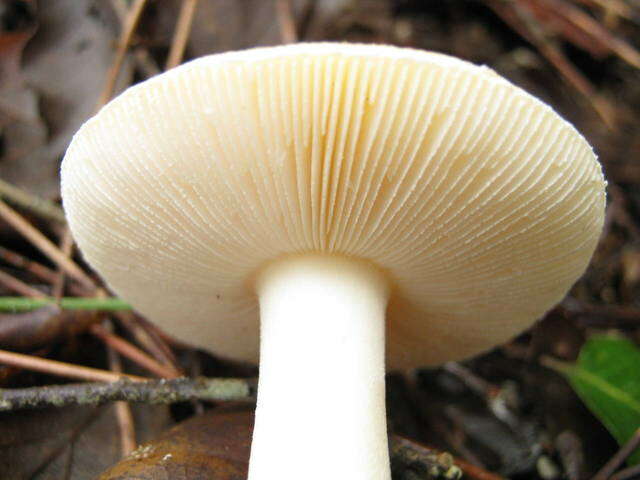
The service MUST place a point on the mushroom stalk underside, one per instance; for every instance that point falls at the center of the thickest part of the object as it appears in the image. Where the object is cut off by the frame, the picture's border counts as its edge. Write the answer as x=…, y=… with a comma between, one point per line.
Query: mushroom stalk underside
x=321, y=396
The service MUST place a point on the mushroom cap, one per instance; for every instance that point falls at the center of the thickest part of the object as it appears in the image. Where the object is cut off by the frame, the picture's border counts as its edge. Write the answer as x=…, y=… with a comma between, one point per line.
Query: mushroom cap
x=481, y=204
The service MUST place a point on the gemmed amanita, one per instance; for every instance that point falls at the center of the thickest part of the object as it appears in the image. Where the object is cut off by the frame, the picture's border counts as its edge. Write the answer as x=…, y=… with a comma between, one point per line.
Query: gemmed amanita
x=341, y=194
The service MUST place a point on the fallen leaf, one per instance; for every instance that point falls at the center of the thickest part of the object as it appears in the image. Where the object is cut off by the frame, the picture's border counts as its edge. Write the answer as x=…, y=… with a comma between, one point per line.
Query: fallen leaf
x=21, y=128
x=17, y=27
x=31, y=330
x=607, y=378
x=79, y=442
x=62, y=71
x=213, y=446
x=26, y=330
x=216, y=446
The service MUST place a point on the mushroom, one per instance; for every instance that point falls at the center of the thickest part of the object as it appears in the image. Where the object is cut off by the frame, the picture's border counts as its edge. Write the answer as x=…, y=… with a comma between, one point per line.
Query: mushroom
x=301, y=203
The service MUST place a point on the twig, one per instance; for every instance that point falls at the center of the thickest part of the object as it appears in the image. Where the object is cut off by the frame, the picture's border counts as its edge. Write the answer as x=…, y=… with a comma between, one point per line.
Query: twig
x=618, y=459
x=126, y=424
x=19, y=286
x=159, y=338
x=521, y=19
x=163, y=339
x=40, y=206
x=617, y=7
x=286, y=22
x=195, y=371
x=146, y=64
x=474, y=471
x=120, y=9
x=168, y=341
x=37, y=269
x=130, y=23
x=148, y=338
x=306, y=19
x=69, y=462
x=62, y=369
x=594, y=31
x=45, y=245
x=537, y=34
x=127, y=428
x=478, y=384
x=22, y=304
x=569, y=447
x=494, y=396
x=19, y=261
x=150, y=392
x=181, y=35
x=132, y=352
x=619, y=316
x=428, y=463
x=555, y=364
x=66, y=247
x=627, y=473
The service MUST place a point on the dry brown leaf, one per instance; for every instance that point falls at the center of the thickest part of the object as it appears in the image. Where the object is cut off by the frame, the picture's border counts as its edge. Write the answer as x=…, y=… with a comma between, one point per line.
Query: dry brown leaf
x=21, y=331
x=21, y=127
x=213, y=446
x=75, y=443
x=216, y=446
x=18, y=26
x=31, y=330
x=62, y=72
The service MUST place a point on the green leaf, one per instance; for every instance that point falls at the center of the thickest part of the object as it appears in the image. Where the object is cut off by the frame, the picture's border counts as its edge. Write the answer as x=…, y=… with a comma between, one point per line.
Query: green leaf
x=607, y=379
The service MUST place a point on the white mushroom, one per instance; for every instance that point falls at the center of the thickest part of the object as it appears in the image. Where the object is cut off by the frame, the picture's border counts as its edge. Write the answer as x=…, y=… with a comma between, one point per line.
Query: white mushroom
x=322, y=187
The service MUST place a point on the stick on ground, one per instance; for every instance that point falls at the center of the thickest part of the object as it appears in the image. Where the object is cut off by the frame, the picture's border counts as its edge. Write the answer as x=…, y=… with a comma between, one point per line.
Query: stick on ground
x=618, y=459
x=39, y=206
x=152, y=391
x=62, y=369
x=133, y=353
x=45, y=245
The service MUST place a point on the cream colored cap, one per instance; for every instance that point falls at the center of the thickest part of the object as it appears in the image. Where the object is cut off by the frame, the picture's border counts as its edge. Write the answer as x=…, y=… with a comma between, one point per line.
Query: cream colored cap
x=480, y=204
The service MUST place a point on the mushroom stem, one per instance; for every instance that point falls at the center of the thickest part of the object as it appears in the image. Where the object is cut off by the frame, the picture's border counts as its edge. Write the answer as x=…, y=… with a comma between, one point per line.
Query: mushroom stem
x=321, y=395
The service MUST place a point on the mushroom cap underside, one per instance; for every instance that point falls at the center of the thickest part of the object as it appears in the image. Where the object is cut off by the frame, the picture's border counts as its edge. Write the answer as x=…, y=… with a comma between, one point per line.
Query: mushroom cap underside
x=480, y=204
